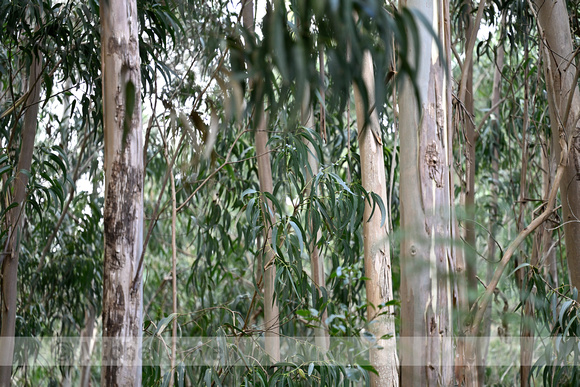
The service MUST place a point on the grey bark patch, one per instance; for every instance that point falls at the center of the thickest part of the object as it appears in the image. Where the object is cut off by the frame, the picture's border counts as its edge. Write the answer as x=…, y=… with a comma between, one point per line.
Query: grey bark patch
x=123, y=194
x=114, y=317
x=433, y=163
x=111, y=376
x=125, y=49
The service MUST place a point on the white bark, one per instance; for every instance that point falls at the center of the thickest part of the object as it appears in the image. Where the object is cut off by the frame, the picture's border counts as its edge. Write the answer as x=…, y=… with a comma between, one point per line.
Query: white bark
x=123, y=212
x=426, y=209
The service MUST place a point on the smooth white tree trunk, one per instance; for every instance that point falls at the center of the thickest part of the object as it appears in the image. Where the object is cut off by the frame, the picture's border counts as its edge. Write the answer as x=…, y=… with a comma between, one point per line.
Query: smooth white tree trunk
x=377, y=257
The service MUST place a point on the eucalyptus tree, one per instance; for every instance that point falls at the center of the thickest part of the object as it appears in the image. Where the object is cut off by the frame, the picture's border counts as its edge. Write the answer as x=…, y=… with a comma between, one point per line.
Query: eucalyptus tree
x=426, y=195
x=377, y=259
x=16, y=216
x=16, y=159
x=271, y=311
x=560, y=69
x=316, y=260
x=123, y=209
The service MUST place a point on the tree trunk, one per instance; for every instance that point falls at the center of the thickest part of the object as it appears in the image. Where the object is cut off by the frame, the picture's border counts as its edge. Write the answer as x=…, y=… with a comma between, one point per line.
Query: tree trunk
x=321, y=338
x=426, y=210
x=564, y=107
x=469, y=194
x=87, y=342
x=493, y=216
x=11, y=250
x=271, y=311
x=123, y=211
x=377, y=257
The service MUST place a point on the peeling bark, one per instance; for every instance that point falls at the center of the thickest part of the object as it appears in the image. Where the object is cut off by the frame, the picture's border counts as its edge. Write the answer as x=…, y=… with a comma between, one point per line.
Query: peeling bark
x=123, y=210
x=427, y=254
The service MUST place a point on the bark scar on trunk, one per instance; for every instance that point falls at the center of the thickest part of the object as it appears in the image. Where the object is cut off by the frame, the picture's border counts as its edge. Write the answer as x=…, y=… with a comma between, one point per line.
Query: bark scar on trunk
x=125, y=183
x=433, y=164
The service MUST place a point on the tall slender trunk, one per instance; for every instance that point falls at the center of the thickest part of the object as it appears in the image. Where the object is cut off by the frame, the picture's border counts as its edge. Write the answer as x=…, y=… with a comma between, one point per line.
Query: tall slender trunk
x=564, y=105
x=469, y=194
x=316, y=262
x=11, y=250
x=526, y=326
x=493, y=216
x=87, y=342
x=377, y=257
x=426, y=209
x=173, y=273
x=271, y=311
x=123, y=210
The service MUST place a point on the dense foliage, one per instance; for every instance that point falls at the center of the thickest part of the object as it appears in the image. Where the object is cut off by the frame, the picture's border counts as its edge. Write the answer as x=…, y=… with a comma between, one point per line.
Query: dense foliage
x=197, y=64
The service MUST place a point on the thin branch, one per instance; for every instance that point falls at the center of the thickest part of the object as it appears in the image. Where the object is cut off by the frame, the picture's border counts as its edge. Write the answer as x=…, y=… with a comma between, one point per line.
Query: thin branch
x=482, y=305
x=486, y=116
x=469, y=50
x=138, y=273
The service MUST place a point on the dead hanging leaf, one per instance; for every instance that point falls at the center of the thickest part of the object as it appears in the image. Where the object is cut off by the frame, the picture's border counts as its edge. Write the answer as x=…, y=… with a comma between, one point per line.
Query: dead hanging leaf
x=185, y=123
x=227, y=100
x=199, y=124
x=212, y=134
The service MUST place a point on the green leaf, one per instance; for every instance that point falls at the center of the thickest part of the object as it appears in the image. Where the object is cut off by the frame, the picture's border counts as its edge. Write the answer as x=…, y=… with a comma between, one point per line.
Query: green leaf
x=340, y=182
x=563, y=310
x=275, y=240
x=181, y=374
x=130, y=99
x=377, y=200
x=207, y=377
x=298, y=234
x=248, y=191
x=274, y=201
x=163, y=323
x=519, y=267
x=250, y=211
x=5, y=169
x=166, y=379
